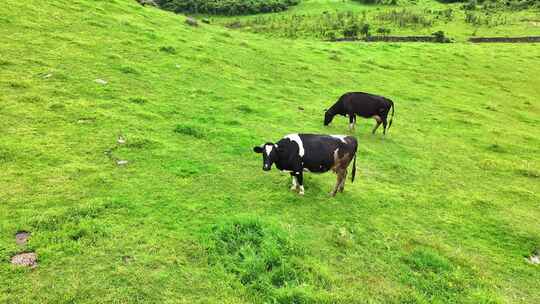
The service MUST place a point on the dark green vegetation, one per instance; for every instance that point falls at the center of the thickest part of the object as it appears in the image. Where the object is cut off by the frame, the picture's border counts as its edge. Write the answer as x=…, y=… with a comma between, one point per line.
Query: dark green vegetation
x=229, y=7
x=443, y=210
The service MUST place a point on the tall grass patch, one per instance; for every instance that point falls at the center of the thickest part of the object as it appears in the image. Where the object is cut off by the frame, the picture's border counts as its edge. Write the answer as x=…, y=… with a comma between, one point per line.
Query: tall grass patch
x=343, y=24
x=265, y=260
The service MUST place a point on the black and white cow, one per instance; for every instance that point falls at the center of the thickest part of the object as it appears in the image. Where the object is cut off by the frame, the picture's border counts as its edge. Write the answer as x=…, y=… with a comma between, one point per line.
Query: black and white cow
x=362, y=104
x=297, y=153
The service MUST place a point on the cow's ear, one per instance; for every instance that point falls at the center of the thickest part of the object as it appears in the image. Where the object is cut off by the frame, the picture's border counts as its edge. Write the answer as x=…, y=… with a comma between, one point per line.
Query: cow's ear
x=258, y=149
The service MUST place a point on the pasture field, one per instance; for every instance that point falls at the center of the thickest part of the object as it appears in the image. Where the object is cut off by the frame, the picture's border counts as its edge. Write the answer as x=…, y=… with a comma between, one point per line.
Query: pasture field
x=443, y=210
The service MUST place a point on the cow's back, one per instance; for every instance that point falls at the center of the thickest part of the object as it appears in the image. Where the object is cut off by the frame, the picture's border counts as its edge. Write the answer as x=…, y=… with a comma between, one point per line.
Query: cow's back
x=364, y=104
x=320, y=150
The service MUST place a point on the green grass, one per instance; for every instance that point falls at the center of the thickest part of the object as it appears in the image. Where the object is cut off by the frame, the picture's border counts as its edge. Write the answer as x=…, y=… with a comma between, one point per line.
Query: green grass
x=443, y=210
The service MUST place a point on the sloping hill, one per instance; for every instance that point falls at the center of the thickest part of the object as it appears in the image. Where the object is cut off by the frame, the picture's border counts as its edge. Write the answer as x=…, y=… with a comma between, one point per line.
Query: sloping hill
x=444, y=209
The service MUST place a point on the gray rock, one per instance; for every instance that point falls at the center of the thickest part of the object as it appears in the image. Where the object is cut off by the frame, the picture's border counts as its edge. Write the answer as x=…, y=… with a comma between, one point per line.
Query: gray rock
x=22, y=237
x=534, y=259
x=192, y=21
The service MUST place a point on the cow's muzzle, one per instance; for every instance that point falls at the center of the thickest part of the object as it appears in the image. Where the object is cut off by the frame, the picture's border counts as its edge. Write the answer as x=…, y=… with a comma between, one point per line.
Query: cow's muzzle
x=267, y=167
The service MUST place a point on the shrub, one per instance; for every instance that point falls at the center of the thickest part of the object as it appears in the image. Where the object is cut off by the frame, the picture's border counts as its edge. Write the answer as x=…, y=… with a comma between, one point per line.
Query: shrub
x=350, y=31
x=383, y=31
x=230, y=7
x=440, y=37
x=365, y=30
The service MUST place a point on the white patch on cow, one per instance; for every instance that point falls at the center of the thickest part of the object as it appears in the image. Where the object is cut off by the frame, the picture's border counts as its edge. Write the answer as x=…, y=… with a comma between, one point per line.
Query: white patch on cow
x=306, y=170
x=301, y=192
x=268, y=149
x=340, y=137
x=298, y=141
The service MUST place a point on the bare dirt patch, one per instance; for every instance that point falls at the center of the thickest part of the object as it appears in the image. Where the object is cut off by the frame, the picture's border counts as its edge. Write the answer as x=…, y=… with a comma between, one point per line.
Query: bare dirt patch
x=28, y=259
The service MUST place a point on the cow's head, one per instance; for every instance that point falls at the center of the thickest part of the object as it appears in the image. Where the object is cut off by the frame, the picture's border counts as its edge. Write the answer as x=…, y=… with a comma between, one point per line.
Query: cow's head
x=270, y=155
x=328, y=116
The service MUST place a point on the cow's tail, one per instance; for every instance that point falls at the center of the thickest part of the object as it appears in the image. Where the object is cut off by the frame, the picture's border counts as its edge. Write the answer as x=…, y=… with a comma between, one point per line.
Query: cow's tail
x=353, y=174
x=392, y=117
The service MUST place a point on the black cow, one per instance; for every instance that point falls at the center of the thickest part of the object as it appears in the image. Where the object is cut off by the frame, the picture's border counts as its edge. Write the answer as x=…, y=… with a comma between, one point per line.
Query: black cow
x=362, y=104
x=297, y=153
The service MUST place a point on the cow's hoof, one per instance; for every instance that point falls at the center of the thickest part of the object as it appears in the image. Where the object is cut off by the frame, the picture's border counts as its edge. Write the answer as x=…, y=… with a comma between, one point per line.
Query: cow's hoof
x=294, y=188
x=301, y=193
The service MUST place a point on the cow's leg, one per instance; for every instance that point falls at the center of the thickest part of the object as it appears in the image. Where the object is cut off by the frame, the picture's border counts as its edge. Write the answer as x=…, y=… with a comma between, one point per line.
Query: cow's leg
x=339, y=180
x=294, y=182
x=376, y=127
x=385, y=123
x=300, y=180
x=352, y=121
x=379, y=121
x=342, y=185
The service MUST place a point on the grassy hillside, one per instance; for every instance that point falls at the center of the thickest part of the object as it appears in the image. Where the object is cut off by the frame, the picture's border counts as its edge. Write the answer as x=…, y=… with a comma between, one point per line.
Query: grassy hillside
x=444, y=208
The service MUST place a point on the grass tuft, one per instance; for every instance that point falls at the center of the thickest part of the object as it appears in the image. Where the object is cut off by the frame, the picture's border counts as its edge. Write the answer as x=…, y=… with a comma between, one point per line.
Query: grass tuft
x=189, y=131
x=138, y=100
x=168, y=49
x=245, y=109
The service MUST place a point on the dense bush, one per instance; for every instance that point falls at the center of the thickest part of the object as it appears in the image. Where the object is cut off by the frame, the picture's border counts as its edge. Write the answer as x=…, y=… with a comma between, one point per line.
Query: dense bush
x=226, y=7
